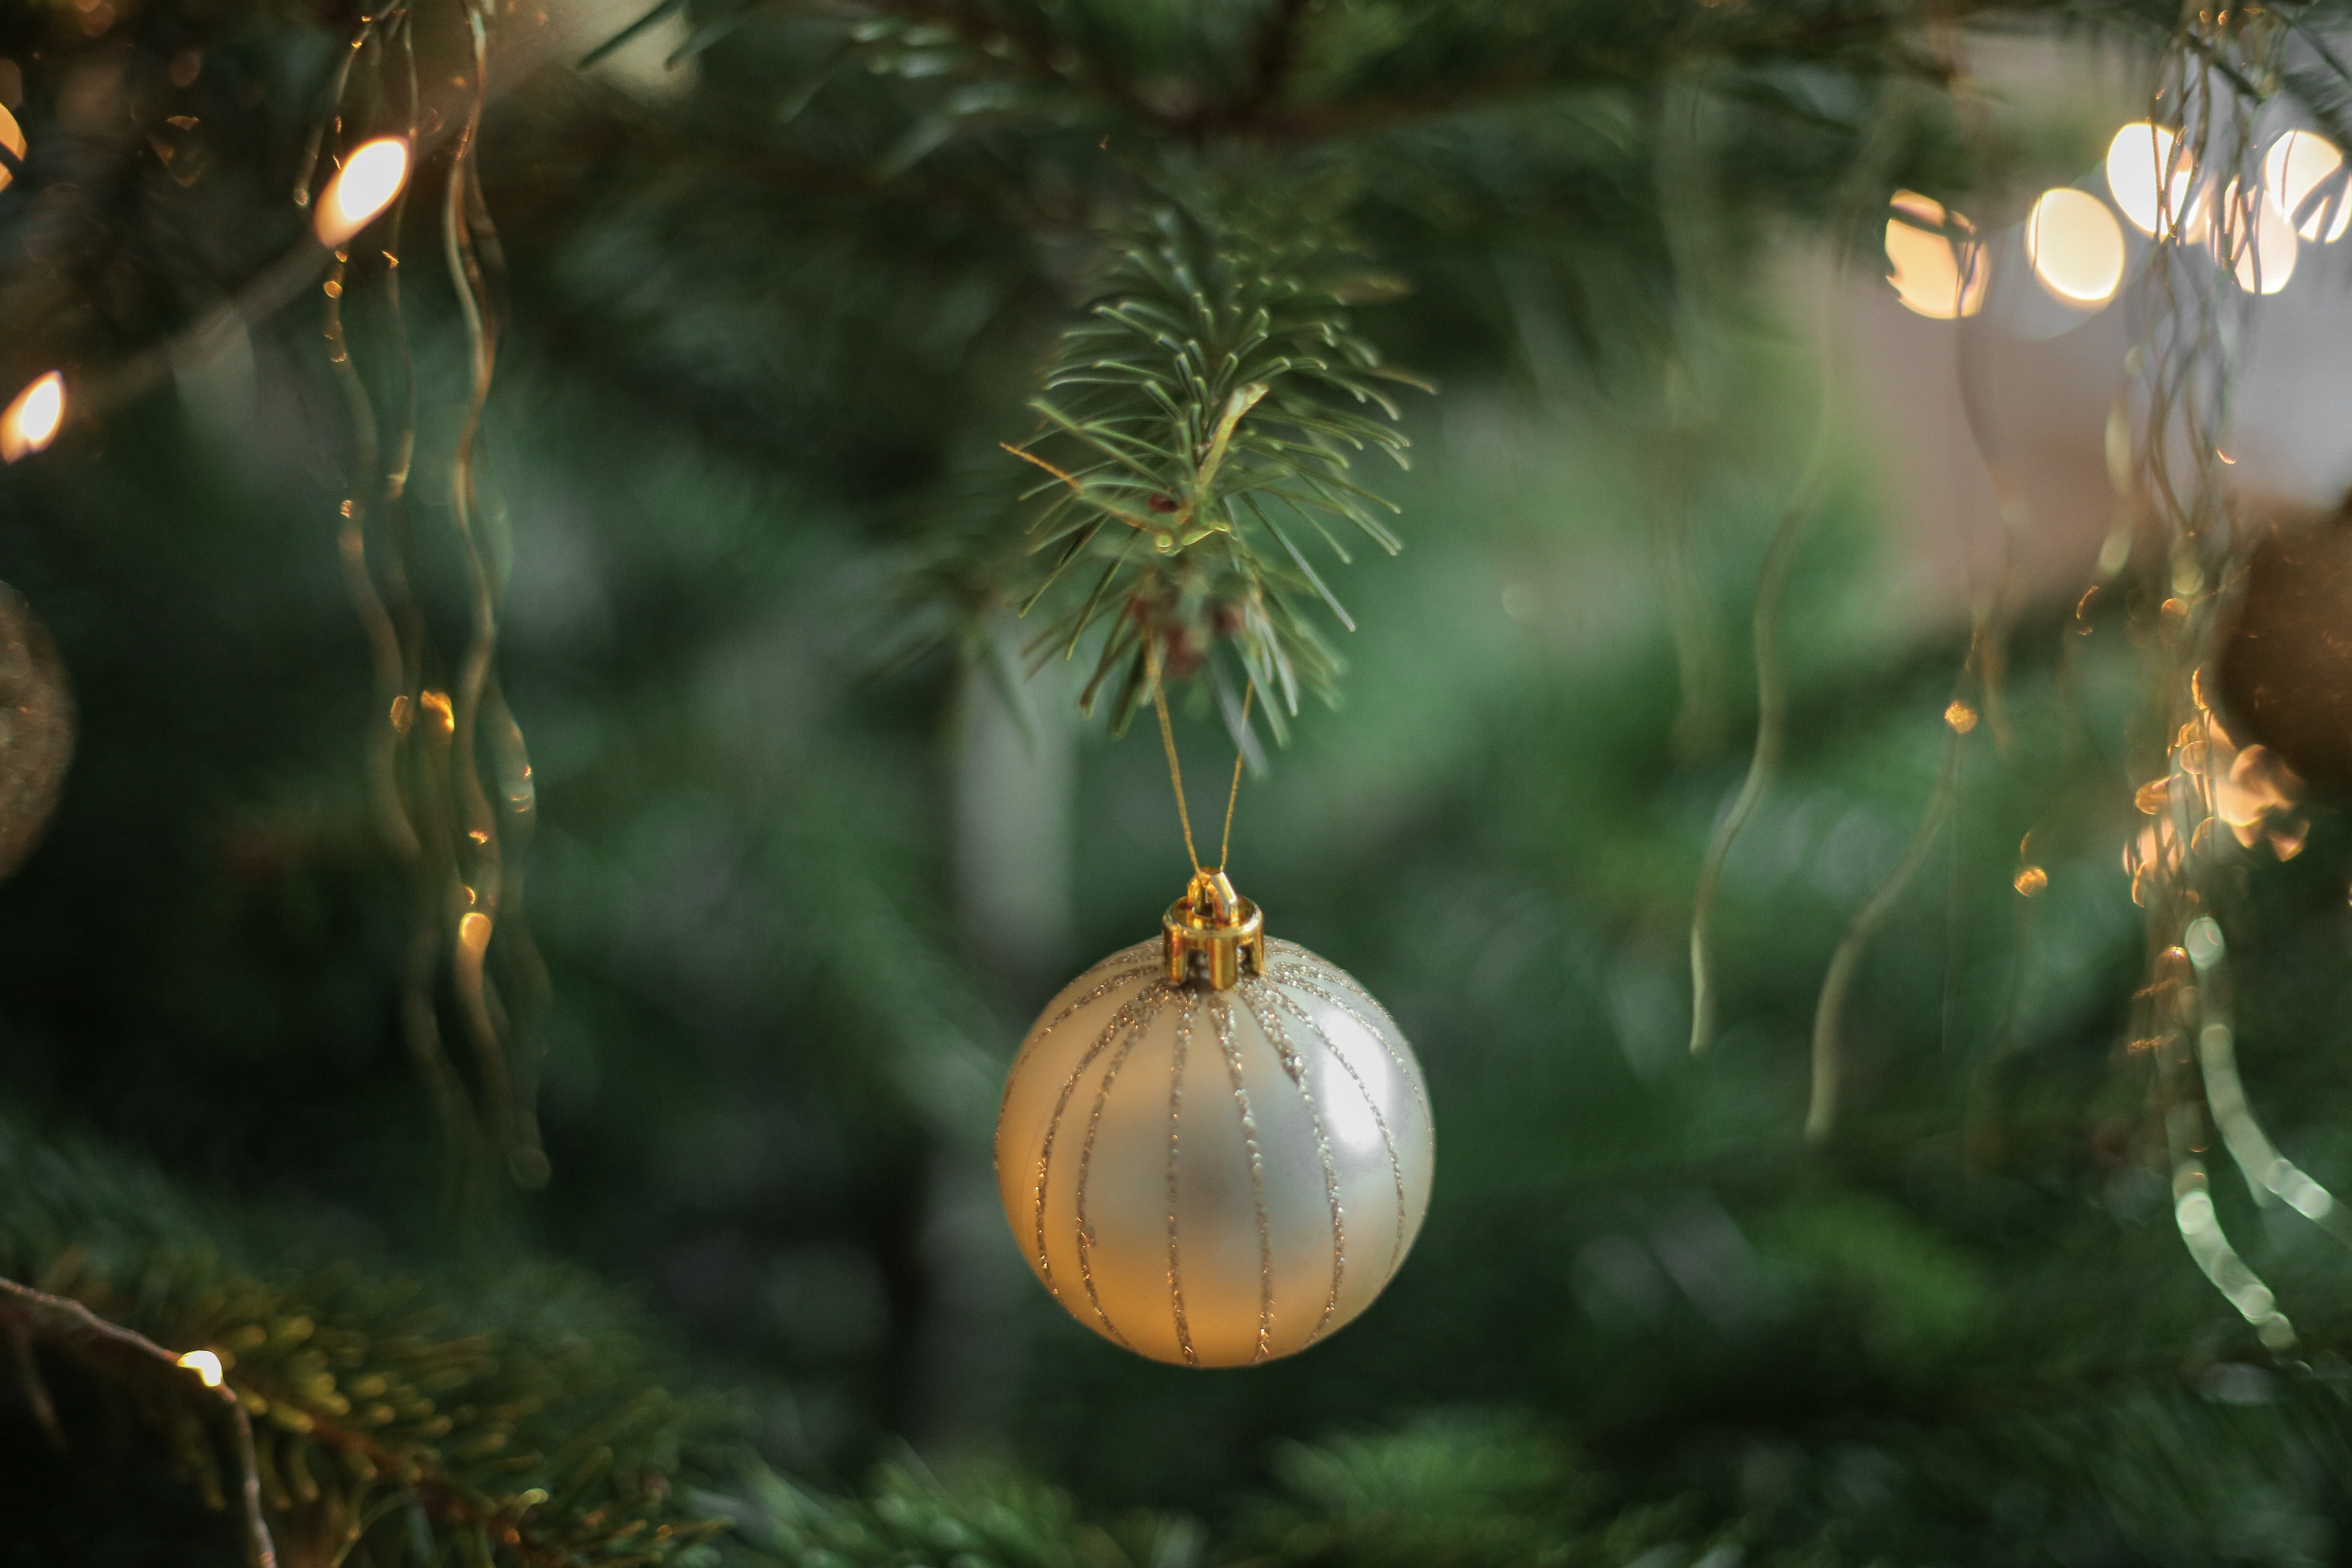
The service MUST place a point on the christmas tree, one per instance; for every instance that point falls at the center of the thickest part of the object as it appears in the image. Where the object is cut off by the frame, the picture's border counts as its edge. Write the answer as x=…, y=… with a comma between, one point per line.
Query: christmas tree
x=608, y=602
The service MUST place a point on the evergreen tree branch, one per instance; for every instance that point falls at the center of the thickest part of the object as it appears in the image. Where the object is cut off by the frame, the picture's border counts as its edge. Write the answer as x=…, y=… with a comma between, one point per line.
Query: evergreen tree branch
x=1218, y=392
x=1025, y=40
x=36, y=1314
x=1278, y=54
x=913, y=1518
x=522, y=1422
x=1366, y=74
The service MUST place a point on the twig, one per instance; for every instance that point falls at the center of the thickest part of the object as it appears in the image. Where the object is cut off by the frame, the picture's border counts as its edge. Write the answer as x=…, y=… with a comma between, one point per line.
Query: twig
x=1277, y=55
x=1037, y=48
x=1829, y=1010
x=1771, y=703
x=80, y=1319
x=37, y=1393
x=1861, y=193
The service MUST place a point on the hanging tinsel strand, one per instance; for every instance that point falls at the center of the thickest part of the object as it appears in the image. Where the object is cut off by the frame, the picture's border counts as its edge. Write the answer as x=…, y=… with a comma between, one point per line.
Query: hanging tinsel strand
x=427, y=745
x=1860, y=194
x=2197, y=331
x=493, y=878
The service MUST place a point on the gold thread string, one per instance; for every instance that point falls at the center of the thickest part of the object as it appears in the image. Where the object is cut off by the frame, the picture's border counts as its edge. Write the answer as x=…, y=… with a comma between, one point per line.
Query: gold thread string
x=1828, y=1006
x=1176, y=770
x=1168, y=739
x=487, y=871
x=1234, y=796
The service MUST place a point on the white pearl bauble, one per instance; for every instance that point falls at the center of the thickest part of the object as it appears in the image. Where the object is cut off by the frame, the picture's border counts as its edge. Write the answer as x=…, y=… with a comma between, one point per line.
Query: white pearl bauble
x=1214, y=1178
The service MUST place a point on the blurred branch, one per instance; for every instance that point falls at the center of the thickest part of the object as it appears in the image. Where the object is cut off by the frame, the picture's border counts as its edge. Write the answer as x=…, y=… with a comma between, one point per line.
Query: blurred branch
x=38, y=1314
x=533, y=43
x=524, y=1420
x=1032, y=45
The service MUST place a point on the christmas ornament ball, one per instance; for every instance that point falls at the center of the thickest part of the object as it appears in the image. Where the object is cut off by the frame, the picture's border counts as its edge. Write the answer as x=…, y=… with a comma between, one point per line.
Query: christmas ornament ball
x=37, y=728
x=2286, y=658
x=1215, y=1174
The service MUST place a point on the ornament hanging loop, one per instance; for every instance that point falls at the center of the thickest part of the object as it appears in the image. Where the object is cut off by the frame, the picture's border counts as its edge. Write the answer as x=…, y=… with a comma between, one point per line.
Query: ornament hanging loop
x=1176, y=769
x=1213, y=936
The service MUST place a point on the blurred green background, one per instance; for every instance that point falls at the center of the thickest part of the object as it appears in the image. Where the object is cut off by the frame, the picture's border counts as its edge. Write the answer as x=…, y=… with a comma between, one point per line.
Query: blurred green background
x=740, y=412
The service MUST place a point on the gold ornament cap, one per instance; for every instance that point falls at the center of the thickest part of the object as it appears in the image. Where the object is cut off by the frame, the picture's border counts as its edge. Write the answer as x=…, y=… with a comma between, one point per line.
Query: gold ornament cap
x=1213, y=936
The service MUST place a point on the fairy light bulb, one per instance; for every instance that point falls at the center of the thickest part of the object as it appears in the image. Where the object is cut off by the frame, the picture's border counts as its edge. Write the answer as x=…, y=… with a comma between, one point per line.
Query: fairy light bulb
x=2076, y=246
x=31, y=422
x=2303, y=174
x=12, y=136
x=1933, y=274
x=205, y=1365
x=366, y=184
x=2142, y=160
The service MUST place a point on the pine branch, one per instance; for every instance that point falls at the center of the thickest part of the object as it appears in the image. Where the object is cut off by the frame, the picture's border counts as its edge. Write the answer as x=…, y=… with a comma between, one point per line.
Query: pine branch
x=1202, y=424
x=1357, y=71
x=520, y=1420
x=1468, y=1490
x=1278, y=53
x=914, y=1519
x=33, y=1315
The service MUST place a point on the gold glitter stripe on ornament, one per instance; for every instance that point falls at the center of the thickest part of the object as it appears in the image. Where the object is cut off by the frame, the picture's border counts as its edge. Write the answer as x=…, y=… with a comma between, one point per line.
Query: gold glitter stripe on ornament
x=1064, y=1017
x=1388, y=1140
x=1324, y=969
x=1124, y=955
x=1176, y=769
x=1222, y=1014
x=1175, y=1124
x=1086, y=1162
x=1304, y=976
x=1270, y=1026
x=1127, y=1015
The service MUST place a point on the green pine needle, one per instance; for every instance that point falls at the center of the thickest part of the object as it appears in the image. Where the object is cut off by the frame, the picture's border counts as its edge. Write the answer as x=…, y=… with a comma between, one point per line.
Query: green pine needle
x=1214, y=401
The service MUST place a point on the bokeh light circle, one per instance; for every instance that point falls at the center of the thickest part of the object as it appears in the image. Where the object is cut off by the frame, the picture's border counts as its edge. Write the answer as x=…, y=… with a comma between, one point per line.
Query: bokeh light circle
x=2076, y=246
x=1935, y=274
x=2303, y=174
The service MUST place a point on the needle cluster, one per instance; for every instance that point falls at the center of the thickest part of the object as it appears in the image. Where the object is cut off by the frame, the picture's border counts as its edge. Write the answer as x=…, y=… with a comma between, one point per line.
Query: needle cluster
x=1207, y=416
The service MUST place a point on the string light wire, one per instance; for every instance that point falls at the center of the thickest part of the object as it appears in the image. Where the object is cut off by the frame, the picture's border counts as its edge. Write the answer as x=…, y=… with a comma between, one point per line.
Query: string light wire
x=183, y=1369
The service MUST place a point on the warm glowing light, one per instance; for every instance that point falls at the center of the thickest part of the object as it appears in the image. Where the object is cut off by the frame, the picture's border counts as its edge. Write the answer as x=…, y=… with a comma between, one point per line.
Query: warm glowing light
x=2255, y=241
x=2075, y=245
x=205, y=1365
x=2304, y=173
x=12, y=136
x=2246, y=789
x=1935, y=275
x=2256, y=794
x=474, y=931
x=31, y=422
x=2142, y=160
x=363, y=187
